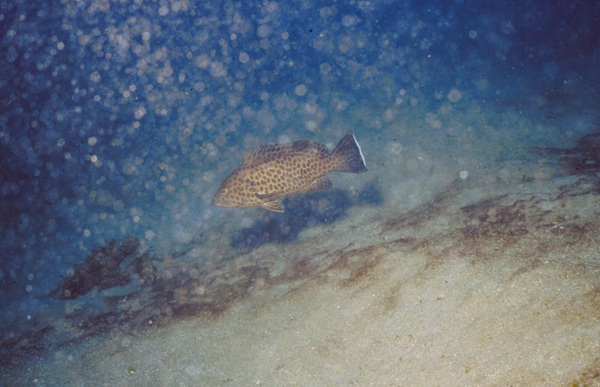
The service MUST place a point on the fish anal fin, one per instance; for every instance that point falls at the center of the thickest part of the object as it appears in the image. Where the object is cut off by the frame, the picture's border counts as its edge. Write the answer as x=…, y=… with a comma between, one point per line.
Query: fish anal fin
x=317, y=185
x=274, y=205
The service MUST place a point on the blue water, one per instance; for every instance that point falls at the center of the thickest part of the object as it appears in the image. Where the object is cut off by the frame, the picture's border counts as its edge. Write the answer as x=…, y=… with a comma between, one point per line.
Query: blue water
x=121, y=119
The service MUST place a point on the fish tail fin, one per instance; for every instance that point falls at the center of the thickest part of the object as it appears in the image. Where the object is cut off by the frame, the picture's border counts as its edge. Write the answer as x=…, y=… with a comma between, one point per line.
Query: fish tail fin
x=347, y=156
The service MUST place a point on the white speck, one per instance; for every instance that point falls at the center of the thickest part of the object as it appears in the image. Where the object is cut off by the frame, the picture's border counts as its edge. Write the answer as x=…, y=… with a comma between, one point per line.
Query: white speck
x=272, y=7
x=199, y=86
x=325, y=68
x=84, y=39
x=310, y=108
x=87, y=233
x=244, y=57
x=247, y=222
x=348, y=21
x=30, y=276
x=217, y=69
x=92, y=140
x=95, y=77
x=265, y=43
x=263, y=31
x=300, y=90
x=389, y=115
x=264, y=96
x=464, y=175
x=29, y=288
x=454, y=95
x=149, y=235
x=325, y=12
x=206, y=100
x=341, y=105
x=203, y=61
x=136, y=219
x=163, y=11
x=140, y=112
x=283, y=139
x=208, y=176
x=472, y=34
x=311, y=125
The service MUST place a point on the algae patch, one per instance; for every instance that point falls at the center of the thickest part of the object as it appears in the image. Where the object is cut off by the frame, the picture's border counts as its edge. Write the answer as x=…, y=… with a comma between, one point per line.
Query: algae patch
x=114, y=264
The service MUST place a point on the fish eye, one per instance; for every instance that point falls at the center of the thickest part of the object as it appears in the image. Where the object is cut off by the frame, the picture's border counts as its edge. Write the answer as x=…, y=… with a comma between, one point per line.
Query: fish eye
x=224, y=191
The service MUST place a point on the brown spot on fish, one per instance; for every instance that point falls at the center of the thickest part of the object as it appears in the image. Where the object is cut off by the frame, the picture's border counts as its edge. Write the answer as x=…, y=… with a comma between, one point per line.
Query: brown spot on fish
x=271, y=172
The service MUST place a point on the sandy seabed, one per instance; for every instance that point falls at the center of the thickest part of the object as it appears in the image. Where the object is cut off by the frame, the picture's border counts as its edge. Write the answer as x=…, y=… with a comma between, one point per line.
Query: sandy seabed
x=480, y=280
x=501, y=292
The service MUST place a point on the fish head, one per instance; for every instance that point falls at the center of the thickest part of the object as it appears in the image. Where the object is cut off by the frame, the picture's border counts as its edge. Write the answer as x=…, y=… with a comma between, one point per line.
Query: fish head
x=235, y=191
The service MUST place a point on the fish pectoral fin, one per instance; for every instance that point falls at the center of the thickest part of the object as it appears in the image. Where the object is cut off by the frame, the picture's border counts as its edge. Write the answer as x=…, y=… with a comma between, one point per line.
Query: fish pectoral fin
x=274, y=205
x=269, y=196
x=317, y=185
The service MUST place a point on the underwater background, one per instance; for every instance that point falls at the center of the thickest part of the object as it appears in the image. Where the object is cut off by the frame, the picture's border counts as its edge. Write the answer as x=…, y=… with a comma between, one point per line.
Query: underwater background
x=468, y=254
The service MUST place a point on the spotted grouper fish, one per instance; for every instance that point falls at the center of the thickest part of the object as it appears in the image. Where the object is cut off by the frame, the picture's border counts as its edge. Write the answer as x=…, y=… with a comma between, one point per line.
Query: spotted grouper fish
x=271, y=172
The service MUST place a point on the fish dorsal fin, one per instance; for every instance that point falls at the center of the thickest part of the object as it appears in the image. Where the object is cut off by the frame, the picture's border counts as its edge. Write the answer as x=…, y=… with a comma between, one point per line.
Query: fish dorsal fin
x=270, y=152
x=307, y=146
x=317, y=185
x=259, y=153
x=274, y=205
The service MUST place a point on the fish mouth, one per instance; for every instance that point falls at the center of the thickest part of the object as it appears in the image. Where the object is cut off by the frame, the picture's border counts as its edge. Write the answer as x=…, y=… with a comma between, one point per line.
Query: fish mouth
x=214, y=202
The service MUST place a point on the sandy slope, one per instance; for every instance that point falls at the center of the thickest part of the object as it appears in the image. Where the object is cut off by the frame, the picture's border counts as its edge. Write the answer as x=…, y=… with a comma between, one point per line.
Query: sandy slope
x=503, y=290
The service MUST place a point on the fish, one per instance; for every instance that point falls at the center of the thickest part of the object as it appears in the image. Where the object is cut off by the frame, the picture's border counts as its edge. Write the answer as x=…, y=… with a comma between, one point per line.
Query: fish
x=271, y=172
